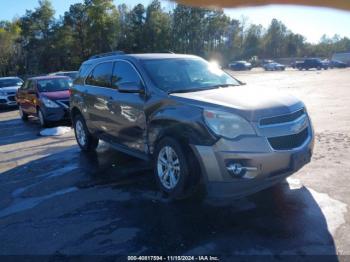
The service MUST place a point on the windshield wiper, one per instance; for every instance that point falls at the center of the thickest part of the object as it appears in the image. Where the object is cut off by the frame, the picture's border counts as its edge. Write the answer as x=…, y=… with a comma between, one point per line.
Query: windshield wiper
x=187, y=90
x=223, y=85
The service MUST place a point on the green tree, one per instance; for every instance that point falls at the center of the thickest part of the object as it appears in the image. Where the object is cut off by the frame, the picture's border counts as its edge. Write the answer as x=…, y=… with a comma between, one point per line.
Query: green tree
x=10, y=50
x=157, y=28
x=188, y=29
x=274, y=40
x=252, y=41
x=36, y=31
x=103, y=25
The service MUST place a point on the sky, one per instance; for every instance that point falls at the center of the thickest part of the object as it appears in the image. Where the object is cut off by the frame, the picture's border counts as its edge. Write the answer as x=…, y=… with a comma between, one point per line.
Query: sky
x=311, y=22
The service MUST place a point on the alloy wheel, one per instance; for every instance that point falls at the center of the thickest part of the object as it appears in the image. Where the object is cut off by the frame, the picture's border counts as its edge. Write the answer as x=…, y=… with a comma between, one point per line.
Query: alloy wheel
x=168, y=167
x=20, y=111
x=80, y=132
x=41, y=118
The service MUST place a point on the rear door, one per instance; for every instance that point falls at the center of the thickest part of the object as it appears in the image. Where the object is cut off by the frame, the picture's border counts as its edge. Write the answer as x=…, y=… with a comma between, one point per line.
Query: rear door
x=97, y=93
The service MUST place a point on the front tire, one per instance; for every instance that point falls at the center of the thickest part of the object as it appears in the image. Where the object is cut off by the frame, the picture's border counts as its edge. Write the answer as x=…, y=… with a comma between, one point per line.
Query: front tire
x=42, y=120
x=85, y=140
x=174, y=169
x=22, y=114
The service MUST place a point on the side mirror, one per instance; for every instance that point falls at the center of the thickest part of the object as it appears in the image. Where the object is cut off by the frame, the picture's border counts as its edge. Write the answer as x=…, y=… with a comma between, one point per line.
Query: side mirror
x=131, y=87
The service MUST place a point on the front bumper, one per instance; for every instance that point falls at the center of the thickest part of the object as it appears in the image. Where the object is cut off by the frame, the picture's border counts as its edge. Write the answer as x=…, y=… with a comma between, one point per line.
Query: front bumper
x=265, y=166
x=9, y=100
x=56, y=114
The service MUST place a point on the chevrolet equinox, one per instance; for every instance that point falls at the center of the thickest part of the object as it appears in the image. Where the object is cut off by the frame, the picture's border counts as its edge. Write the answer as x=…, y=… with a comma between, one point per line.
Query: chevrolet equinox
x=204, y=130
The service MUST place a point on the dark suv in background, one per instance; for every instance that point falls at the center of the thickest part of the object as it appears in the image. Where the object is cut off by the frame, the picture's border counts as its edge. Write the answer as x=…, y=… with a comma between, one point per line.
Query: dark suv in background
x=201, y=128
x=311, y=63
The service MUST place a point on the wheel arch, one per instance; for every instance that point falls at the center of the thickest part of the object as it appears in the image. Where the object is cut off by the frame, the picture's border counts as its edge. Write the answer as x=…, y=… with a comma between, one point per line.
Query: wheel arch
x=186, y=132
x=74, y=112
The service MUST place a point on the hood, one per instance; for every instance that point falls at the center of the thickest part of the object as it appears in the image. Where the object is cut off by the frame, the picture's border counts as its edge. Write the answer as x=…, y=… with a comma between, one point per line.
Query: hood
x=57, y=95
x=247, y=101
x=10, y=88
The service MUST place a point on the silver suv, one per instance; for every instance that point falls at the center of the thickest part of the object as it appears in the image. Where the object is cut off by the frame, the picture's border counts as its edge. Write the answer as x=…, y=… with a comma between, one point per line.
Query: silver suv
x=203, y=129
x=8, y=89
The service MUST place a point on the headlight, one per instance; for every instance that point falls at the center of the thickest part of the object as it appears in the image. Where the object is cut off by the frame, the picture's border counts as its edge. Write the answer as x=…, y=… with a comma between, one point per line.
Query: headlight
x=49, y=103
x=226, y=124
x=2, y=93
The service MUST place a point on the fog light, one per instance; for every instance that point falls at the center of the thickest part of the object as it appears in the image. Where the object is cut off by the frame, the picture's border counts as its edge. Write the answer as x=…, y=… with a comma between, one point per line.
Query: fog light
x=236, y=169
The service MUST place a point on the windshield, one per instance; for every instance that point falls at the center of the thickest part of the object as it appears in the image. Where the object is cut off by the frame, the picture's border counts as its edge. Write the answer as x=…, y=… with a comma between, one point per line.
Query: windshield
x=178, y=74
x=53, y=85
x=10, y=82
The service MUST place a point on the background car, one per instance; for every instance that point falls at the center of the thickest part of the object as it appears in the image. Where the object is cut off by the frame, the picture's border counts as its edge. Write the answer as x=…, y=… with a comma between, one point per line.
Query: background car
x=310, y=63
x=72, y=74
x=240, y=65
x=8, y=89
x=274, y=67
x=337, y=64
x=46, y=97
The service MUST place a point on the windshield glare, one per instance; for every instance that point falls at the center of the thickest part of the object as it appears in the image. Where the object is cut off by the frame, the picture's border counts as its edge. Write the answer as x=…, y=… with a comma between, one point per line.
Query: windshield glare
x=53, y=85
x=10, y=82
x=173, y=75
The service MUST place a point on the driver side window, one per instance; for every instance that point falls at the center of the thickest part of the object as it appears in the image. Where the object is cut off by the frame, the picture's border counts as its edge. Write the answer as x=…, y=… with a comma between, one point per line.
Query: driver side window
x=124, y=73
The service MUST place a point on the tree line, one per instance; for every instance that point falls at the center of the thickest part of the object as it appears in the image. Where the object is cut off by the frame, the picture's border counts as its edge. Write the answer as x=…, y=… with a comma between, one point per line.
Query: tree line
x=39, y=43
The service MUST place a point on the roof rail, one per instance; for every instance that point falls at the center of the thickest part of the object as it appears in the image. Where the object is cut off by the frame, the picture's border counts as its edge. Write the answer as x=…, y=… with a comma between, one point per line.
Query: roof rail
x=107, y=54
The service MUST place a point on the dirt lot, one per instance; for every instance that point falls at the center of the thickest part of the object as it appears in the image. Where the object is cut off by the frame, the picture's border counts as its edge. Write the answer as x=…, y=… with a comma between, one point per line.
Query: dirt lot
x=56, y=200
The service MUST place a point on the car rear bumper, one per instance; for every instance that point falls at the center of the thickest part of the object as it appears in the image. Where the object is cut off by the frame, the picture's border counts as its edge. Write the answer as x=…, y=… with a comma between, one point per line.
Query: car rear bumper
x=261, y=165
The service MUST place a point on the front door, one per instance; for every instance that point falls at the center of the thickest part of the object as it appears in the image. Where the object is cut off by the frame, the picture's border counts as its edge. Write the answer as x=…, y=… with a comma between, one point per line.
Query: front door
x=128, y=121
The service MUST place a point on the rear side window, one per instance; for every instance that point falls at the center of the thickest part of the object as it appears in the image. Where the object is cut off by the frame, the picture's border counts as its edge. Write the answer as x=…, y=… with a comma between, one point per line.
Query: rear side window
x=124, y=72
x=101, y=75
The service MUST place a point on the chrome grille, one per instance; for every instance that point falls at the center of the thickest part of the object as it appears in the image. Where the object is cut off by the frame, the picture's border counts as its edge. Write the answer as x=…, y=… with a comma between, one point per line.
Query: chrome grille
x=282, y=118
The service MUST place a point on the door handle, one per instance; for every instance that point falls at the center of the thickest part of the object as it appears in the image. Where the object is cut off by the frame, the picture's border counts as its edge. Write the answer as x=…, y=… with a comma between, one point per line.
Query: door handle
x=110, y=101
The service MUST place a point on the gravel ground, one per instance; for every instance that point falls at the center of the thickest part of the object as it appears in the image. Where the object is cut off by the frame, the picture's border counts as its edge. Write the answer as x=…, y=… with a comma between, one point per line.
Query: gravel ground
x=55, y=200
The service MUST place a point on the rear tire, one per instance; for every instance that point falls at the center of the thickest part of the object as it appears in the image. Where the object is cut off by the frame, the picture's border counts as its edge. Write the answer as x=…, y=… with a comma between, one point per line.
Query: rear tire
x=85, y=140
x=175, y=169
x=22, y=114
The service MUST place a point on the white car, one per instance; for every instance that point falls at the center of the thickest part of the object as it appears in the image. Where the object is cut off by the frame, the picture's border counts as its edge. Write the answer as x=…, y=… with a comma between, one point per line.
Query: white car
x=274, y=67
x=8, y=89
